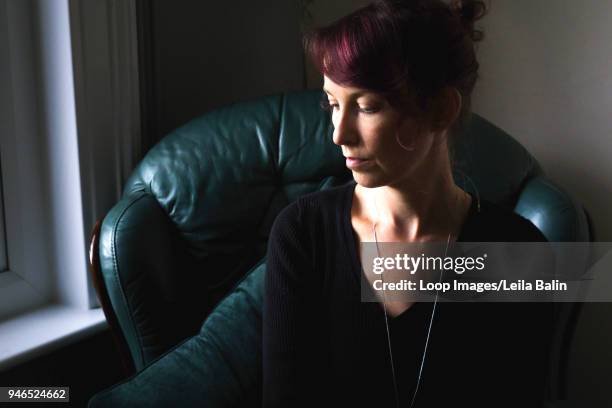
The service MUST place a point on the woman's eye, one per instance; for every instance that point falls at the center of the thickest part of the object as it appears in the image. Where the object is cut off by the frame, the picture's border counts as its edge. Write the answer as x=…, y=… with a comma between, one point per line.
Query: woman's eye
x=334, y=106
x=329, y=105
x=368, y=110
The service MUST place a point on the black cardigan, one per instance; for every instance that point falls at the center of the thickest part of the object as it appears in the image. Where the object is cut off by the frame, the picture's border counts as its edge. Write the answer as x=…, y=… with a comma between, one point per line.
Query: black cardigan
x=322, y=346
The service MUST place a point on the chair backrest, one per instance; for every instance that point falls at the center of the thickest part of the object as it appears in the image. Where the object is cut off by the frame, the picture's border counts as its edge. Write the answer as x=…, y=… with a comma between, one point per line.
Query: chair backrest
x=196, y=212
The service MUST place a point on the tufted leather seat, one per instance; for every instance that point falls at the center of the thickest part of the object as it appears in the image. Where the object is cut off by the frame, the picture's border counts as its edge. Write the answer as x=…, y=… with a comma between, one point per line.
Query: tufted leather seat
x=193, y=223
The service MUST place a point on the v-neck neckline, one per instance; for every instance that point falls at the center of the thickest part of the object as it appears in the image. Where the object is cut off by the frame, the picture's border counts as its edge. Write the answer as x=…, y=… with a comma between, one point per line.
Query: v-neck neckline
x=351, y=236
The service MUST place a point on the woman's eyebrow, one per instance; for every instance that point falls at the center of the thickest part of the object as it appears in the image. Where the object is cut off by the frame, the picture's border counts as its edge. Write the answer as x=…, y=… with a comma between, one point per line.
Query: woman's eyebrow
x=353, y=95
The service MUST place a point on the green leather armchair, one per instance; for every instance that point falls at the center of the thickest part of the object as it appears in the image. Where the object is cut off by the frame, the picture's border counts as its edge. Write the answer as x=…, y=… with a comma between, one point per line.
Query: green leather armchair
x=179, y=260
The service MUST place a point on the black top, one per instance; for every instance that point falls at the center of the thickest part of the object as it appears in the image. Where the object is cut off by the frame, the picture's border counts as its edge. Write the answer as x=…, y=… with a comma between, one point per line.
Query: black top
x=322, y=346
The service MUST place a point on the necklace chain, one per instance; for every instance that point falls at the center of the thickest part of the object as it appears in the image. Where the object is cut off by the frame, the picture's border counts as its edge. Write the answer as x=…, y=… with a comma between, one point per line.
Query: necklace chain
x=433, y=312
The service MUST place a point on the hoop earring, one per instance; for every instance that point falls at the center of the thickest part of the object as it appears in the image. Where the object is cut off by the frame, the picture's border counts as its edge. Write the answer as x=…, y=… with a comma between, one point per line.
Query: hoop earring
x=397, y=139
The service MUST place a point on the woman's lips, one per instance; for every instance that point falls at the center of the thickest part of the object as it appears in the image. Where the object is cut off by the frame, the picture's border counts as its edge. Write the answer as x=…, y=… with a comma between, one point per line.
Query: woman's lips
x=355, y=163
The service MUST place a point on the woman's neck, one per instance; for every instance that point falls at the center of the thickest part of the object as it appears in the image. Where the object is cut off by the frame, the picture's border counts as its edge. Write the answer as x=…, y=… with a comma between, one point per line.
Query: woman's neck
x=427, y=206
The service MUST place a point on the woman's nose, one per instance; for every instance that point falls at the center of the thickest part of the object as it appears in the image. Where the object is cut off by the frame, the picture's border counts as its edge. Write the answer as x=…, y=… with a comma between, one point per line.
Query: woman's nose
x=344, y=131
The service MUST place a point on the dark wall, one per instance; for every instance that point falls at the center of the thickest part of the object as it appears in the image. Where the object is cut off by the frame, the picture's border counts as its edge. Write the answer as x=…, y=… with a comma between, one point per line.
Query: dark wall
x=86, y=367
x=198, y=55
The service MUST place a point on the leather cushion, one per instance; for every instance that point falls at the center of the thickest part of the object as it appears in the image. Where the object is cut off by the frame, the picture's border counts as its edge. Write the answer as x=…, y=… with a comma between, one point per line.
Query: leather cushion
x=218, y=367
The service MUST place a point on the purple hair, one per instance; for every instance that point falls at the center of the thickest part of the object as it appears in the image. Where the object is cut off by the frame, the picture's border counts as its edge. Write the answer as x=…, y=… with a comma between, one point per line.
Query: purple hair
x=406, y=50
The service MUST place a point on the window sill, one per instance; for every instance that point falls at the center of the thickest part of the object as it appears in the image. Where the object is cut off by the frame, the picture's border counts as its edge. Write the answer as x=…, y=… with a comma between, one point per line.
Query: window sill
x=43, y=330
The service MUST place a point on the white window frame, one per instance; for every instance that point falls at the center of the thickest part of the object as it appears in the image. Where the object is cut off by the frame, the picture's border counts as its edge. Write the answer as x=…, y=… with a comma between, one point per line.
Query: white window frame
x=69, y=136
x=27, y=283
x=3, y=254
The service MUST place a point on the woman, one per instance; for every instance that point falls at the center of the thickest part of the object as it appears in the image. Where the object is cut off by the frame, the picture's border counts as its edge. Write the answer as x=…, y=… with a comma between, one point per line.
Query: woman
x=398, y=76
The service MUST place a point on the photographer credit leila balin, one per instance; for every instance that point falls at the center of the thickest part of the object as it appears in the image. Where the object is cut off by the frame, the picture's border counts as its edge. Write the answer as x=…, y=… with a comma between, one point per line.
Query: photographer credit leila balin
x=408, y=272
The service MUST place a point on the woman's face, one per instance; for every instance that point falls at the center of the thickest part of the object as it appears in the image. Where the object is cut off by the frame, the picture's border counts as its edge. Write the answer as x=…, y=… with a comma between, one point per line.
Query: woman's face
x=381, y=145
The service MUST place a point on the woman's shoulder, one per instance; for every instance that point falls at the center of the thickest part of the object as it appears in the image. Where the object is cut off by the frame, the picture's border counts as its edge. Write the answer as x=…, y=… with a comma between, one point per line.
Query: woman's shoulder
x=496, y=223
x=324, y=203
x=332, y=197
x=306, y=227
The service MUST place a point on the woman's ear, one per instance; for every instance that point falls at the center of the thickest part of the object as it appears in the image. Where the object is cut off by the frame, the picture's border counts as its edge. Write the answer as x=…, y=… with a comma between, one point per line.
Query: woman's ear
x=447, y=108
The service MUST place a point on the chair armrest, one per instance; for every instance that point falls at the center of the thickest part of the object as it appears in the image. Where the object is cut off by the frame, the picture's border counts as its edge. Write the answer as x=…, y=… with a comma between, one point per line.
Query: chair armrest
x=143, y=263
x=218, y=367
x=561, y=219
x=553, y=211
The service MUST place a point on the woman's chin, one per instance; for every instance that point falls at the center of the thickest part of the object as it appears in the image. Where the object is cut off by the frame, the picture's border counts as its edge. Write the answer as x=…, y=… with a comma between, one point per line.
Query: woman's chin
x=367, y=180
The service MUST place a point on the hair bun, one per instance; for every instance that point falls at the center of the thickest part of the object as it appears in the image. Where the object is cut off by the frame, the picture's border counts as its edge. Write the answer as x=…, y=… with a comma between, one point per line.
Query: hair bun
x=469, y=12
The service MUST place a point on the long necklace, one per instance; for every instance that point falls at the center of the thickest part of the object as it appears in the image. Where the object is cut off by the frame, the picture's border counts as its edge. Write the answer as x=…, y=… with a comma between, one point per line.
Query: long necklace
x=433, y=312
